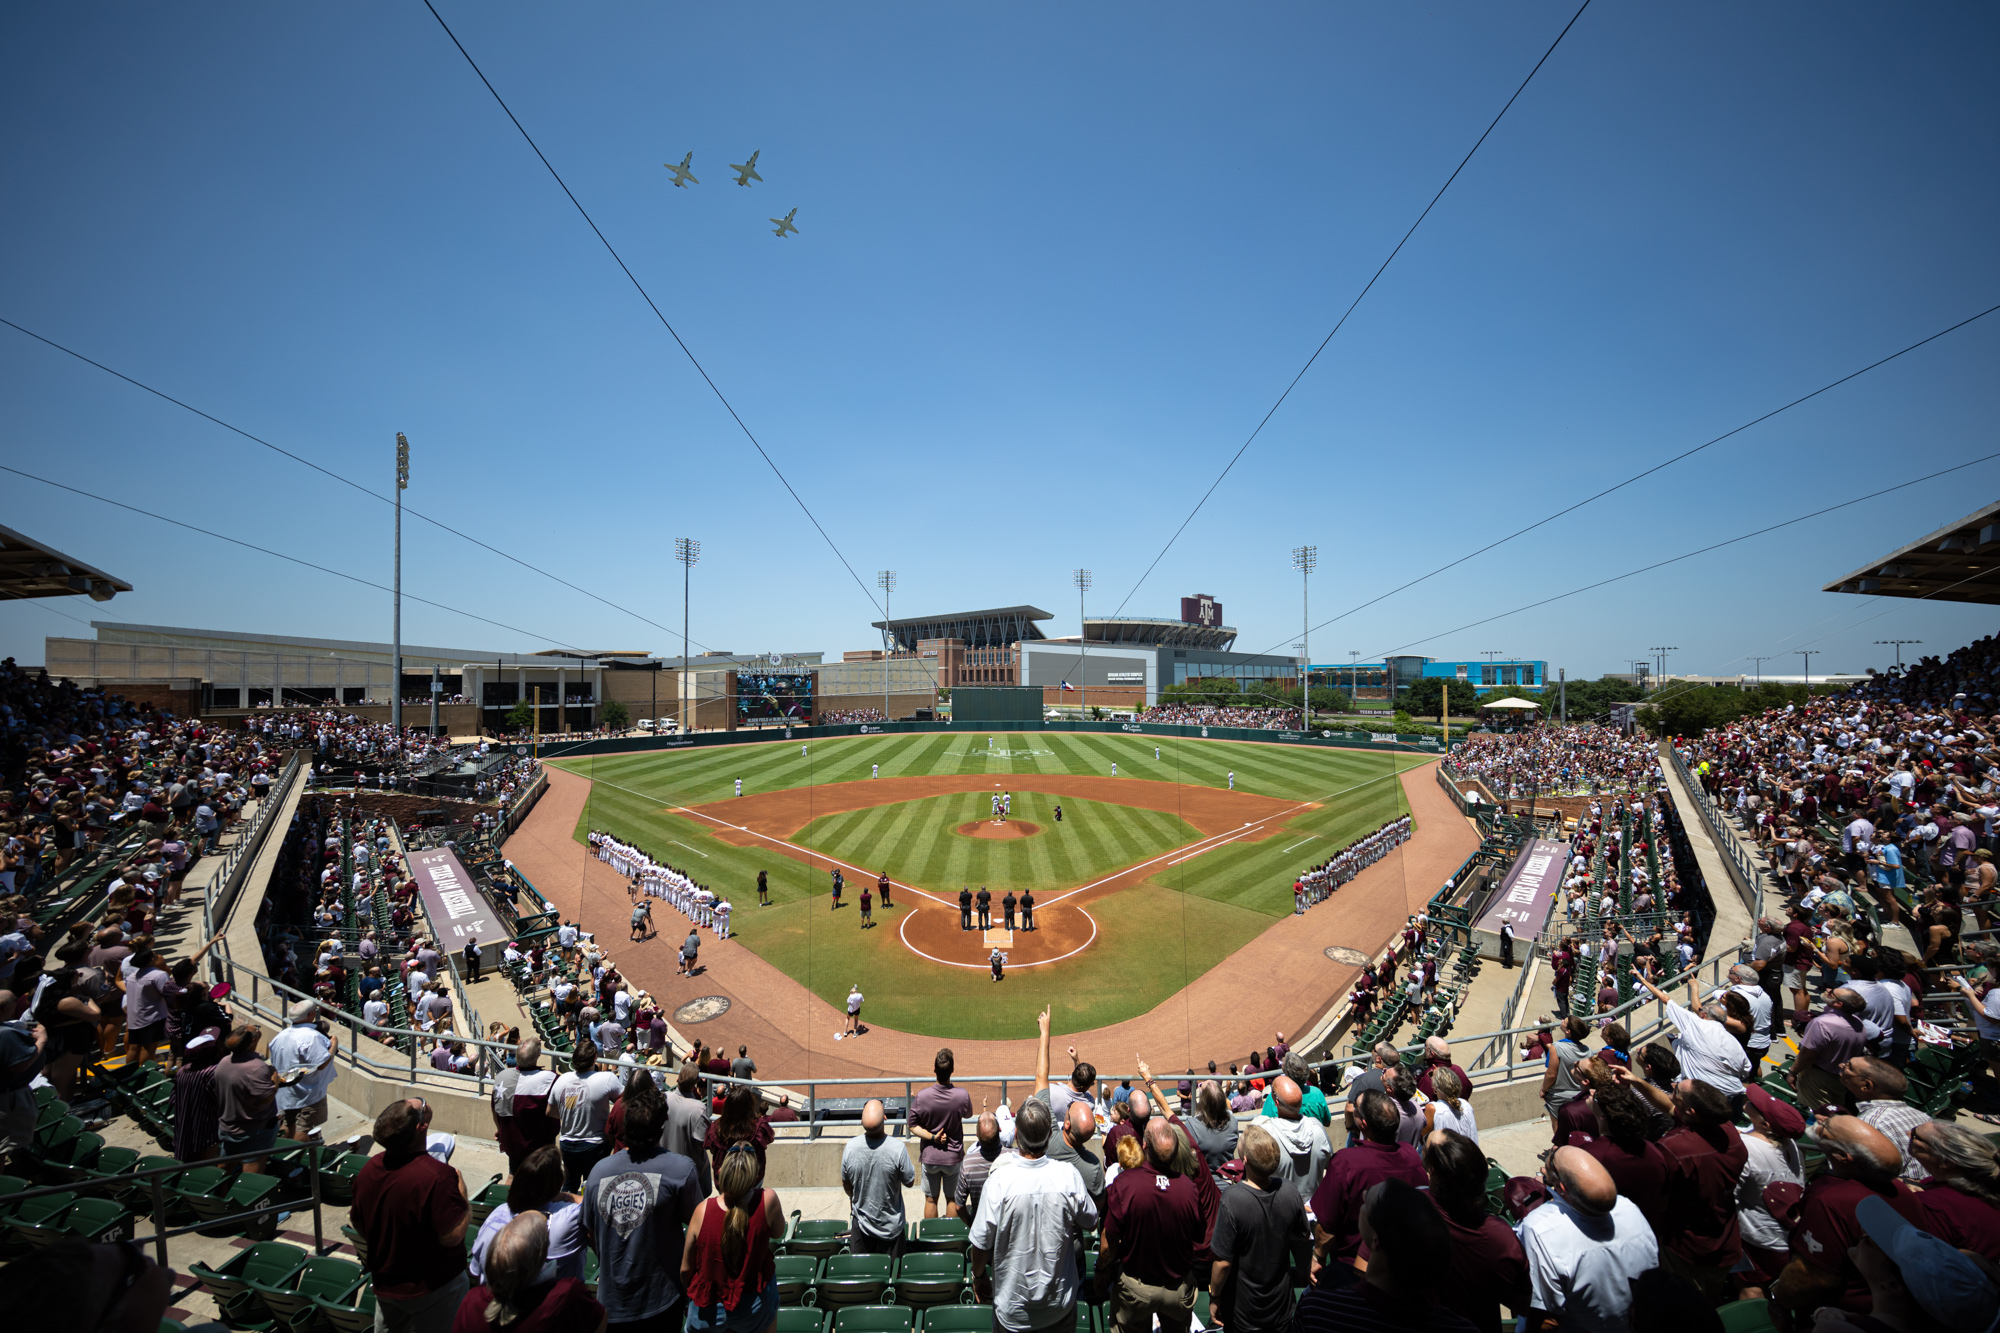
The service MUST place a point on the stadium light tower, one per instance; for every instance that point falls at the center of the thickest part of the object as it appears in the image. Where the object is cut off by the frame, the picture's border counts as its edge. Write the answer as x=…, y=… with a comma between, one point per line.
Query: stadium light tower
x=1807, y=653
x=1899, y=650
x=1661, y=674
x=886, y=581
x=688, y=551
x=1353, y=677
x=1081, y=578
x=396, y=650
x=1760, y=667
x=1305, y=559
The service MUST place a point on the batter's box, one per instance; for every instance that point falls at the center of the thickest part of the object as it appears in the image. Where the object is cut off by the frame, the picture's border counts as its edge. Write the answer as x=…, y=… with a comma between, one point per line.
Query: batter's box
x=999, y=937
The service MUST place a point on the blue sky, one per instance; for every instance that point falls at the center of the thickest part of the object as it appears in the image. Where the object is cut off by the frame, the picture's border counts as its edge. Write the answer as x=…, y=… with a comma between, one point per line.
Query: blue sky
x=1053, y=266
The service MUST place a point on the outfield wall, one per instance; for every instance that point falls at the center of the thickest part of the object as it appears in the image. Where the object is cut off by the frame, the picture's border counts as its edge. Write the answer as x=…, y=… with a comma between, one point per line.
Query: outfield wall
x=1319, y=740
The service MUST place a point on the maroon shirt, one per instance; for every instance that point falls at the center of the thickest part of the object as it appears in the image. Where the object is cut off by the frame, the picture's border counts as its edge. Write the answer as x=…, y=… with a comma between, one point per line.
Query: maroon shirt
x=1640, y=1176
x=1336, y=1204
x=1489, y=1269
x=1702, y=1169
x=564, y=1306
x=1954, y=1217
x=1156, y=1223
x=1424, y=1079
x=401, y=1203
x=1827, y=1229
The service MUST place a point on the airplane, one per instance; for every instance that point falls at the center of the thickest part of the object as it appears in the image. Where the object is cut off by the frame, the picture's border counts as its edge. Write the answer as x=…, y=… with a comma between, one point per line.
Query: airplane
x=785, y=225
x=748, y=170
x=681, y=173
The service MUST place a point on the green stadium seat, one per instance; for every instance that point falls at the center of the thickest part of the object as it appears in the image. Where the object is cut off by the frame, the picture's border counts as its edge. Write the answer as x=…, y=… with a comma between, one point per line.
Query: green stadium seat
x=138, y=1195
x=956, y=1319
x=930, y=1278
x=112, y=1162
x=267, y=1262
x=75, y=1156
x=39, y=1221
x=98, y=1221
x=853, y=1279
x=239, y=1194
x=11, y=1185
x=328, y=1277
x=940, y=1233
x=1746, y=1317
x=791, y=1319
x=336, y=1177
x=795, y=1276
x=360, y=1244
x=490, y=1196
x=245, y=1313
x=822, y=1238
x=874, y=1319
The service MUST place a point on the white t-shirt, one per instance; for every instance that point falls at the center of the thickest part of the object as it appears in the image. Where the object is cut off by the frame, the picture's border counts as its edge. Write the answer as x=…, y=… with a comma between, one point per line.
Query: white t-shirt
x=854, y=1002
x=1581, y=1267
x=1027, y=1216
x=1707, y=1051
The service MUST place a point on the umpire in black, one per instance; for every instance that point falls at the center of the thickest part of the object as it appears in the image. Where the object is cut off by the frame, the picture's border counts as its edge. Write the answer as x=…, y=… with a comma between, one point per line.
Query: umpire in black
x=1007, y=909
x=1027, y=909
x=985, y=908
x=965, y=909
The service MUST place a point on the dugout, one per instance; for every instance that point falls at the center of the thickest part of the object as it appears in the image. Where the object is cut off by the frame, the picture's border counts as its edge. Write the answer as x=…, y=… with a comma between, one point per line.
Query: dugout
x=996, y=703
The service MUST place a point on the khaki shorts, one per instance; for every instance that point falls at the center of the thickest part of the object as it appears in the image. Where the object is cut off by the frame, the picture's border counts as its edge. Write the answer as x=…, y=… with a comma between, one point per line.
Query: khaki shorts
x=306, y=1117
x=1798, y=980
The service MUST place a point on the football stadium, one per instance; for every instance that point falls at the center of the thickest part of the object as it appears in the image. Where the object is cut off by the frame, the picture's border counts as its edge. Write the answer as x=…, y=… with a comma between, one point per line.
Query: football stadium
x=1546, y=878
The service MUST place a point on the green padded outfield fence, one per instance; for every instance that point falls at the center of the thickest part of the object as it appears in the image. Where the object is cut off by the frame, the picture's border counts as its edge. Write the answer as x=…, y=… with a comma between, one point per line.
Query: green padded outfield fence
x=1330, y=740
x=977, y=704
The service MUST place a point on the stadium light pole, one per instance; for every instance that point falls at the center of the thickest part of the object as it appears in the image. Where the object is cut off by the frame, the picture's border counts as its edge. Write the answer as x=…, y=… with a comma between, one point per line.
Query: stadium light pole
x=688, y=551
x=1305, y=559
x=1662, y=673
x=396, y=650
x=1353, y=678
x=1807, y=653
x=1899, y=649
x=1081, y=578
x=886, y=581
x=1760, y=668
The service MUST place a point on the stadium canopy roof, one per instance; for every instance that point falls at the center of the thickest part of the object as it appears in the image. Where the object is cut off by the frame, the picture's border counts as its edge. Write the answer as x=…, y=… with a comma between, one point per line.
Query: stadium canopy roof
x=30, y=569
x=1157, y=632
x=1960, y=562
x=1511, y=703
x=995, y=628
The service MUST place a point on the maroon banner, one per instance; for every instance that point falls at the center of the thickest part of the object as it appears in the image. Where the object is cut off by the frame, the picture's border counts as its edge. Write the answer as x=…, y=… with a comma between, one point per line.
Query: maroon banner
x=458, y=910
x=1201, y=609
x=1529, y=889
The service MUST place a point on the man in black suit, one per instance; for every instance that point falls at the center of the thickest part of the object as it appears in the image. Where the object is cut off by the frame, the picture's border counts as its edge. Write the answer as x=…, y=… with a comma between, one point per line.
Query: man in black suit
x=1007, y=909
x=985, y=908
x=1028, y=909
x=965, y=909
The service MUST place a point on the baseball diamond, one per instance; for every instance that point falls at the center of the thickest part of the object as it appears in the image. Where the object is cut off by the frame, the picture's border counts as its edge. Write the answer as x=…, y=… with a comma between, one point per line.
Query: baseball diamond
x=1144, y=882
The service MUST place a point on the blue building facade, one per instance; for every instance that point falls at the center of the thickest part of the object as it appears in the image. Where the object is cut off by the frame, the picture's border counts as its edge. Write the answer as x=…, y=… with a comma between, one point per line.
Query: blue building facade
x=1372, y=680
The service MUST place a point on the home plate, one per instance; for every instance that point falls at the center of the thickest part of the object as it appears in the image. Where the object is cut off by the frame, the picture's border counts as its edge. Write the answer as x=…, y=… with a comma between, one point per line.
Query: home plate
x=999, y=937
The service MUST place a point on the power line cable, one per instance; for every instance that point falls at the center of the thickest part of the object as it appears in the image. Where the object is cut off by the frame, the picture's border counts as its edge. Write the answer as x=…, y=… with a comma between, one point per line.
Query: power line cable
x=1637, y=476
x=654, y=307
x=1689, y=555
x=328, y=472
x=265, y=550
x=1234, y=458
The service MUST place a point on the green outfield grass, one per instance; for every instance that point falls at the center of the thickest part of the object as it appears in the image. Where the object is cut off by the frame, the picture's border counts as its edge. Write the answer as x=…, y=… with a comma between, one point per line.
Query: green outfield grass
x=913, y=841
x=1154, y=938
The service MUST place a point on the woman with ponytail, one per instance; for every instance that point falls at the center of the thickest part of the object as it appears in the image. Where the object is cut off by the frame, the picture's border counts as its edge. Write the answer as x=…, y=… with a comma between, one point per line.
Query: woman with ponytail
x=521, y=1292
x=726, y=1268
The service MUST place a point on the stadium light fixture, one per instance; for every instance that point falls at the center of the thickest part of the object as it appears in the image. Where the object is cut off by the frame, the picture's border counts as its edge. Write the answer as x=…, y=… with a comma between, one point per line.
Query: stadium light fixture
x=1807, y=653
x=1899, y=649
x=688, y=551
x=1305, y=559
x=396, y=650
x=1760, y=666
x=1661, y=674
x=1081, y=578
x=886, y=581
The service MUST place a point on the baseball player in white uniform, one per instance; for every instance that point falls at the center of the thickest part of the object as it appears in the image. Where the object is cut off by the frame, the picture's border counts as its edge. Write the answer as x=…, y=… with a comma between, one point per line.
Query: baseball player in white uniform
x=1232, y=779
x=739, y=786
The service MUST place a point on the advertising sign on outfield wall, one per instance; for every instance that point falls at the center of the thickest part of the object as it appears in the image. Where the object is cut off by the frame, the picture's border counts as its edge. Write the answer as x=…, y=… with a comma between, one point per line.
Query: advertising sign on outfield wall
x=457, y=908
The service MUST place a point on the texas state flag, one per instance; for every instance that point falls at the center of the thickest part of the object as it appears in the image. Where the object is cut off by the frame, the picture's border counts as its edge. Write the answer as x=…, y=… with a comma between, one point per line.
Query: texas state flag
x=1066, y=685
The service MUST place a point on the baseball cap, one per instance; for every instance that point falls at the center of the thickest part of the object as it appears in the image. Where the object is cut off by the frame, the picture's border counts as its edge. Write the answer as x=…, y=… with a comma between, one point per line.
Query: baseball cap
x=1948, y=1286
x=1784, y=1117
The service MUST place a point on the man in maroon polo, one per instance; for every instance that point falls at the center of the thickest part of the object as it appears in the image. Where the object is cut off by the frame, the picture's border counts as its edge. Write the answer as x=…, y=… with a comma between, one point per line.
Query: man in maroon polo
x=1152, y=1225
x=412, y=1210
x=1336, y=1204
x=1705, y=1156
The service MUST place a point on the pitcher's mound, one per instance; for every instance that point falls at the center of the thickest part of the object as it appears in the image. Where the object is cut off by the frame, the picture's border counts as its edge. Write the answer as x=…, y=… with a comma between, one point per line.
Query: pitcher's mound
x=986, y=828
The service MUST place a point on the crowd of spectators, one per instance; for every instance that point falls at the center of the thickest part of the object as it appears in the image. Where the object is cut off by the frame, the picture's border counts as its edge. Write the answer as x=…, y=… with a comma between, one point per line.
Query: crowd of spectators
x=1220, y=715
x=1558, y=760
x=843, y=716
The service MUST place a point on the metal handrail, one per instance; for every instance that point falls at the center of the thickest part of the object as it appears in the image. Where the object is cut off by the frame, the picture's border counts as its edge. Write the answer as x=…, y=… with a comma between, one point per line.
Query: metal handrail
x=1724, y=839
x=156, y=1174
x=250, y=837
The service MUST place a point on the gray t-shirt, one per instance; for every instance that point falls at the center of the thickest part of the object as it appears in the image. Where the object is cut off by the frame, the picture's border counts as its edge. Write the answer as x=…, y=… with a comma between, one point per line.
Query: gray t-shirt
x=1087, y=1163
x=1263, y=1234
x=874, y=1168
x=637, y=1210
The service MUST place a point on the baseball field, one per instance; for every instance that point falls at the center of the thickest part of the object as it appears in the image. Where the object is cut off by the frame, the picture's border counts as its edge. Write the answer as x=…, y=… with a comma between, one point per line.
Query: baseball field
x=1155, y=871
